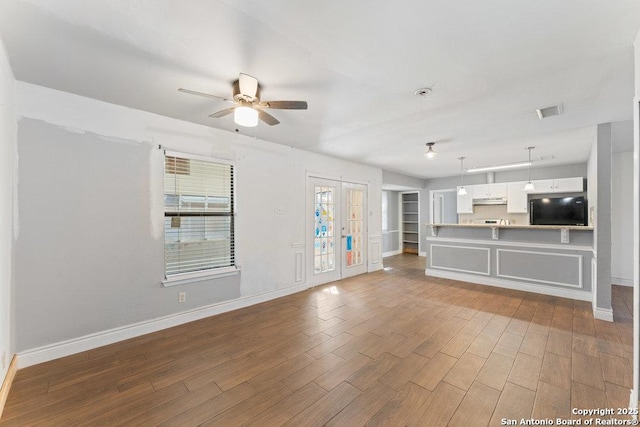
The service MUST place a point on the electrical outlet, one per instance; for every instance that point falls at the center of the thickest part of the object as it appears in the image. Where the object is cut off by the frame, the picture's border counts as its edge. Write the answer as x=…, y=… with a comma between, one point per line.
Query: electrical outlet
x=182, y=297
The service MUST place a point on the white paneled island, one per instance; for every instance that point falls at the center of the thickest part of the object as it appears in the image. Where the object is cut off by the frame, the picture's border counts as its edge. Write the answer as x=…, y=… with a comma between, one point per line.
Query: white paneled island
x=547, y=259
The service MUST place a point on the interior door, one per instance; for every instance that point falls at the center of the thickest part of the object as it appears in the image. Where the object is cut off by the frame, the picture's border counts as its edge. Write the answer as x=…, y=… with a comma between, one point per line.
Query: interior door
x=337, y=222
x=324, y=239
x=354, y=229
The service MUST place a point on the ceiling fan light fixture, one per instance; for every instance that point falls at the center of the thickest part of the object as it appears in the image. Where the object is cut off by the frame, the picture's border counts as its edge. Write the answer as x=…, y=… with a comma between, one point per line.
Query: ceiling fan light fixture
x=430, y=154
x=246, y=116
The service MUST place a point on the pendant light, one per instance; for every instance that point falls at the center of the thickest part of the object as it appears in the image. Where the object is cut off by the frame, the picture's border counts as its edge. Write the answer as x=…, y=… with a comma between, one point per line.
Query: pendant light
x=529, y=185
x=429, y=154
x=462, y=191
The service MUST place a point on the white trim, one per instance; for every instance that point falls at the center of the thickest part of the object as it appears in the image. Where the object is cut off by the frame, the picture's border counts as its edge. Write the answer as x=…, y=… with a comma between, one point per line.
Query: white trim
x=375, y=254
x=184, y=155
x=549, y=282
x=605, y=314
x=458, y=269
x=622, y=281
x=563, y=247
x=390, y=231
x=200, y=276
x=511, y=284
x=337, y=179
x=422, y=253
x=636, y=240
x=391, y=253
x=99, y=339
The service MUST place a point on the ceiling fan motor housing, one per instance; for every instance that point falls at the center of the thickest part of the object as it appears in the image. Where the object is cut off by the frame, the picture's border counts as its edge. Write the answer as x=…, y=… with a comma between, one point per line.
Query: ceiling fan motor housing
x=239, y=96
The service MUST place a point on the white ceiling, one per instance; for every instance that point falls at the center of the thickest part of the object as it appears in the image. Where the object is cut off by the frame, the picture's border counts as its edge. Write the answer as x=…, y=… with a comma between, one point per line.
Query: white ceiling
x=357, y=63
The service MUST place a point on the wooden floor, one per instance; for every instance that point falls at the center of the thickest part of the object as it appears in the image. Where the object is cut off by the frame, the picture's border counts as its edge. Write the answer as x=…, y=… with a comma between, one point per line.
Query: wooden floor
x=389, y=348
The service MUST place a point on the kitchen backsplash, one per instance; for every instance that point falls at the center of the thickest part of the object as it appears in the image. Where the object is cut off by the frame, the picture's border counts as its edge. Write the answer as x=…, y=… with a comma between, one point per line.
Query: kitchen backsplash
x=491, y=212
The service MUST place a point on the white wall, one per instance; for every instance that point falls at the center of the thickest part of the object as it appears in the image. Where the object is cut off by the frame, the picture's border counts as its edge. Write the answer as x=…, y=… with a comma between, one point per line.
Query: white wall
x=89, y=256
x=621, y=218
x=7, y=155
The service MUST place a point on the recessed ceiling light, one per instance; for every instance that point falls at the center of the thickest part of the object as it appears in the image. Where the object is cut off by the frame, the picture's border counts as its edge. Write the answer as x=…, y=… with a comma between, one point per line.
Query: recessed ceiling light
x=423, y=92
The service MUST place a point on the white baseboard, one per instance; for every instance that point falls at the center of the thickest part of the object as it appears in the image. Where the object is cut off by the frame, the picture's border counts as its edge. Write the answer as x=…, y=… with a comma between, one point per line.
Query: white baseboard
x=511, y=284
x=603, y=313
x=422, y=254
x=375, y=267
x=99, y=339
x=391, y=253
x=622, y=281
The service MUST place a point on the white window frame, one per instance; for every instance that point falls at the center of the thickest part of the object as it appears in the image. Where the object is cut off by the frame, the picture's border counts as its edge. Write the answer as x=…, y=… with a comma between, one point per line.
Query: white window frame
x=213, y=273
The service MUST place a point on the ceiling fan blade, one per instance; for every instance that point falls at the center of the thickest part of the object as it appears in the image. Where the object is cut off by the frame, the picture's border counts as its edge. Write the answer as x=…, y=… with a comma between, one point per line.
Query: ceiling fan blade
x=248, y=85
x=206, y=95
x=222, y=113
x=285, y=105
x=266, y=117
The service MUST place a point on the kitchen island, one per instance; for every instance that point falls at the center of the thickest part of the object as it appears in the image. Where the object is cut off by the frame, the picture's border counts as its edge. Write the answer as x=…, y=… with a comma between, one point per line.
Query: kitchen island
x=547, y=259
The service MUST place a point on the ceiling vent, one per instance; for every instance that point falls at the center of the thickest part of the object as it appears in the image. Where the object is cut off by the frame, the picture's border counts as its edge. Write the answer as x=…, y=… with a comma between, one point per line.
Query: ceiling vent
x=554, y=110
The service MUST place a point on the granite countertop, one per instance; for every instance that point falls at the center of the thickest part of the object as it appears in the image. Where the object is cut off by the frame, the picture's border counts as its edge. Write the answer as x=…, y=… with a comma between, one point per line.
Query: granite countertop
x=530, y=227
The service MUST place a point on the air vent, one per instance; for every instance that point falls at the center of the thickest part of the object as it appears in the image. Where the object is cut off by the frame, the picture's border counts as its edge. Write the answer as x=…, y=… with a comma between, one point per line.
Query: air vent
x=554, y=110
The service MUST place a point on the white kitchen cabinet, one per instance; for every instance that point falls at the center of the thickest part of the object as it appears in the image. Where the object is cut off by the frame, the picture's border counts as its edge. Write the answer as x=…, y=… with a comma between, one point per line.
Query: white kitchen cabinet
x=567, y=185
x=559, y=185
x=489, y=191
x=497, y=190
x=465, y=203
x=542, y=186
x=517, y=198
x=479, y=191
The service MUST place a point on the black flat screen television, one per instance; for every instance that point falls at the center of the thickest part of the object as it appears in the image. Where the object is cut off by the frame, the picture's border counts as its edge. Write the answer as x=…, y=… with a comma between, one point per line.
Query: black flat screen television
x=558, y=211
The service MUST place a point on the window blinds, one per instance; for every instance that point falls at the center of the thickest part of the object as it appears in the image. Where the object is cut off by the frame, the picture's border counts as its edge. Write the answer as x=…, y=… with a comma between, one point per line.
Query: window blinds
x=198, y=210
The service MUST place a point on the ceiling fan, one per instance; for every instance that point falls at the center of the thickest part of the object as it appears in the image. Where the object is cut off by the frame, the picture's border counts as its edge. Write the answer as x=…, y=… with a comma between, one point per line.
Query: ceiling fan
x=248, y=108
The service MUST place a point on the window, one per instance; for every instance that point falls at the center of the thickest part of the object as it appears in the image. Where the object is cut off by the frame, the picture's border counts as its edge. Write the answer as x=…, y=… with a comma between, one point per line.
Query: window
x=198, y=215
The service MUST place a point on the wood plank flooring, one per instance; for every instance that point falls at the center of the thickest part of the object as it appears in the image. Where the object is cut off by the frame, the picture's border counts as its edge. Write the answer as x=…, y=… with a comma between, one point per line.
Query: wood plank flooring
x=389, y=348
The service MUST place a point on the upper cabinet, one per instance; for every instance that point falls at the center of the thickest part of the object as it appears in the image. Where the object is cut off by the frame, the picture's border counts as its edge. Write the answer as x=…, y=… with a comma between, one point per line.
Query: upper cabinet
x=568, y=185
x=517, y=198
x=542, y=186
x=465, y=203
x=489, y=191
x=560, y=185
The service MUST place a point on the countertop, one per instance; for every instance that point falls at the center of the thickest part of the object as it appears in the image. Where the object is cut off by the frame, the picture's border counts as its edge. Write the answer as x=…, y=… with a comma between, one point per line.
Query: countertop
x=529, y=227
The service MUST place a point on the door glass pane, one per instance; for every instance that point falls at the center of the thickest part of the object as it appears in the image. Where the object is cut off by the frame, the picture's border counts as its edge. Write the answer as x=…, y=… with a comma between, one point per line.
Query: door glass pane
x=324, y=224
x=354, y=227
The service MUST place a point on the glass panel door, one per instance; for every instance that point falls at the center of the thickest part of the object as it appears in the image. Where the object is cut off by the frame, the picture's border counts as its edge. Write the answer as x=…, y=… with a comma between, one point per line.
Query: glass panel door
x=324, y=254
x=336, y=230
x=323, y=225
x=354, y=229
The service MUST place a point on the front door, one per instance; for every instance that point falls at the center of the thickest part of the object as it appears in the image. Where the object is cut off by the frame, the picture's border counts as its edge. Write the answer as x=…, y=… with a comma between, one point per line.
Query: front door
x=337, y=236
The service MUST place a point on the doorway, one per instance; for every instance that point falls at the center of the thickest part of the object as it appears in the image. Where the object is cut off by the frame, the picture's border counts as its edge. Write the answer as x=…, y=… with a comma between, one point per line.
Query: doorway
x=336, y=229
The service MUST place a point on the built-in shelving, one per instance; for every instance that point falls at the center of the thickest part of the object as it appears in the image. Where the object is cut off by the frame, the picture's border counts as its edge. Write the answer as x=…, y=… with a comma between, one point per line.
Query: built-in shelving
x=410, y=222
